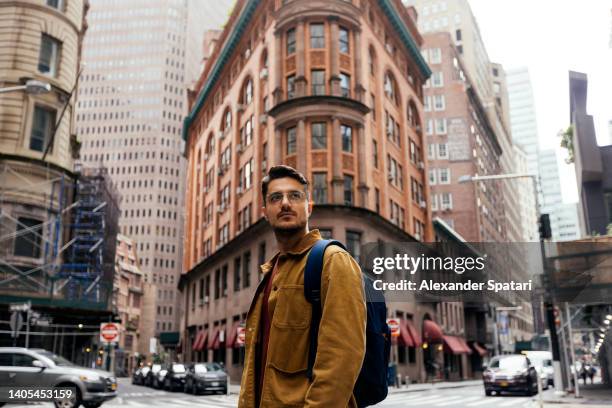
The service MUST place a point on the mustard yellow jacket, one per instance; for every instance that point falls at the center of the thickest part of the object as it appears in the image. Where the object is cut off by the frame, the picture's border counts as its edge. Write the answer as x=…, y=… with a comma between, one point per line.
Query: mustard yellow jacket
x=341, y=342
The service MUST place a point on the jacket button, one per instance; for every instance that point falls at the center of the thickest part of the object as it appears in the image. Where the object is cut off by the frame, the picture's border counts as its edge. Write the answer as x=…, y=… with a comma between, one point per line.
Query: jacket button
x=275, y=288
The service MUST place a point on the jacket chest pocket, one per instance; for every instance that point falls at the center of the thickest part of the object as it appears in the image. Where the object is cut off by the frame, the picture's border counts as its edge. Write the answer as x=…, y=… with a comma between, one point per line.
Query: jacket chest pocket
x=292, y=310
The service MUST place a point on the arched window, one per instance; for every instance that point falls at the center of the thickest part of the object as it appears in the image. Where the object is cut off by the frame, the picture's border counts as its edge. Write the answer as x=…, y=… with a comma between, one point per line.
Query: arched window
x=264, y=59
x=390, y=87
x=210, y=145
x=372, y=60
x=413, y=114
x=227, y=120
x=247, y=92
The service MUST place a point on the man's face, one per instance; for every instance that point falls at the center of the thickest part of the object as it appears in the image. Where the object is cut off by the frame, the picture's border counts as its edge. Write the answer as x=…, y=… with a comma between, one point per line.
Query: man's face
x=286, y=207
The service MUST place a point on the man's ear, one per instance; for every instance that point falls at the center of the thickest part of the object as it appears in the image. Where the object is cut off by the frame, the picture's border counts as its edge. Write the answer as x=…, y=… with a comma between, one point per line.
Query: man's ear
x=263, y=213
x=310, y=204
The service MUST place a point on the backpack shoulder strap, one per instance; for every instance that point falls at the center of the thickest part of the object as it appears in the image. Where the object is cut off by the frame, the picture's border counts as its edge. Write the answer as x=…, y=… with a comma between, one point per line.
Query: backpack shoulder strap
x=312, y=292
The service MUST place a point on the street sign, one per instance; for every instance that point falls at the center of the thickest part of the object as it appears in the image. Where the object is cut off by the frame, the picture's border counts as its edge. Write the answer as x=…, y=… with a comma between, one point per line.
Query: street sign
x=394, y=326
x=109, y=333
x=16, y=323
x=241, y=335
x=19, y=307
x=152, y=345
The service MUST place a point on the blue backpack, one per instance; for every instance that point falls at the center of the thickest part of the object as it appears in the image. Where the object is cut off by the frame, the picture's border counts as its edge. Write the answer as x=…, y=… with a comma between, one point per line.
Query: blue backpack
x=371, y=385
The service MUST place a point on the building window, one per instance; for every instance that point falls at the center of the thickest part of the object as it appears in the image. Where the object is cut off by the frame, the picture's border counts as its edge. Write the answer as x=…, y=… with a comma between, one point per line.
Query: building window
x=28, y=237
x=248, y=92
x=377, y=200
x=227, y=124
x=439, y=103
x=319, y=135
x=43, y=125
x=291, y=140
x=291, y=41
x=291, y=87
x=372, y=61
x=326, y=233
x=390, y=87
x=444, y=176
x=347, y=138
x=429, y=127
x=57, y=4
x=427, y=103
x=246, y=269
x=435, y=56
x=442, y=151
x=353, y=244
x=345, y=85
x=446, y=201
x=317, y=78
x=48, y=57
x=375, y=153
x=458, y=35
x=432, y=177
x=348, y=190
x=437, y=80
x=237, y=274
x=319, y=188
x=441, y=126
x=317, y=36
x=344, y=40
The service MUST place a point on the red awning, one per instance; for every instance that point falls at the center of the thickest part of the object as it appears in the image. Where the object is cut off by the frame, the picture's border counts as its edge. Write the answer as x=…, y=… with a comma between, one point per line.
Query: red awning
x=416, y=337
x=479, y=349
x=201, y=342
x=215, y=344
x=404, y=338
x=464, y=345
x=432, y=333
x=197, y=340
x=233, y=335
x=453, y=345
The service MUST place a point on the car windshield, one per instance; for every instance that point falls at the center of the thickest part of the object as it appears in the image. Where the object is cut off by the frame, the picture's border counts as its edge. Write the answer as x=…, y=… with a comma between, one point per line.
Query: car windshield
x=510, y=363
x=156, y=368
x=205, y=368
x=60, y=361
x=178, y=368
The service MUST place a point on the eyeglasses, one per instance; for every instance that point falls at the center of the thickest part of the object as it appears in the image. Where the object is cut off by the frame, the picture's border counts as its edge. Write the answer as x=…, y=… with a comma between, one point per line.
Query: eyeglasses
x=294, y=197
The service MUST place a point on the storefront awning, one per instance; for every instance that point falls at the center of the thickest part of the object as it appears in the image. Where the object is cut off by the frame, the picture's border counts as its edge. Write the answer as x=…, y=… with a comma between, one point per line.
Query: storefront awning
x=416, y=337
x=218, y=337
x=200, y=342
x=404, y=338
x=479, y=349
x=455, y=345
x=432, y=333
x=233, y=336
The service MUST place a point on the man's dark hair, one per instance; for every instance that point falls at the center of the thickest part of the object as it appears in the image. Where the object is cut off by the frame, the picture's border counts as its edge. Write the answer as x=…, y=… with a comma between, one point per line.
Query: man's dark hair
x=282, y=171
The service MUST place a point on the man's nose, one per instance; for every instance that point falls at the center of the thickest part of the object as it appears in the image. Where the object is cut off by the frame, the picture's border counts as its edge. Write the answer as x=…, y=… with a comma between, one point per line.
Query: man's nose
x=285, y=201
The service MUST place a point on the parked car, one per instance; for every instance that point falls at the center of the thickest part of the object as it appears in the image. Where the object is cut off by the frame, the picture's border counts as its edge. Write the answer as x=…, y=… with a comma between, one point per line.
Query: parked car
x=510, y=373
x=158, y=381
x=206, y=377
x=175, y=377
x=22, y=367
x=152, y=374
x=138, y=378
x=542, y=361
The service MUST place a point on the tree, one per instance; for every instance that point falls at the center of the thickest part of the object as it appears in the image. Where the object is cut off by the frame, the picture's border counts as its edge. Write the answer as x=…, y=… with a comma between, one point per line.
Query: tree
x=567, y=142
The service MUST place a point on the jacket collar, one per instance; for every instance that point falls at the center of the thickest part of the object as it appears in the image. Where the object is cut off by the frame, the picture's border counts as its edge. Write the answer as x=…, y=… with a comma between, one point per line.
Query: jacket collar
x=303, y=245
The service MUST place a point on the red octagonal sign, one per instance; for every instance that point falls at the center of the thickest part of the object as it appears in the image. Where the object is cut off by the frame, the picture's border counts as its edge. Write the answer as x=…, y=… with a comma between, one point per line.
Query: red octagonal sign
x=109, y=332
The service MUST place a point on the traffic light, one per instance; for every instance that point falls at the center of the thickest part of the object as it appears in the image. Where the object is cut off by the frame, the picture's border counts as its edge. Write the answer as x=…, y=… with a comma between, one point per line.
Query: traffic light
x=545, y=231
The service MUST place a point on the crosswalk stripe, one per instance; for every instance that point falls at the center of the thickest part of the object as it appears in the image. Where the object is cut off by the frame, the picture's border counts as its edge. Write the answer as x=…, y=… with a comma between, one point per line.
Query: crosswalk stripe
x=488, y=400
x=512, y=401
x=394, y=397
x=463, y=400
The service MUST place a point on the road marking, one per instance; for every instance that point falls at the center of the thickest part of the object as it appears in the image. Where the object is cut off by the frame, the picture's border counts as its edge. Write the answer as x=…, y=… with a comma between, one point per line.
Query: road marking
x=443, y=404
x=513, y=401
x=487, y=400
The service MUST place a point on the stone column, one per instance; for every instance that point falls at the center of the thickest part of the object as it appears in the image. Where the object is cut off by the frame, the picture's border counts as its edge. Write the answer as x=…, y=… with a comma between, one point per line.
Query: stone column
x=300, y=60
x=334, y=56
x=361, y=166
x=337, y=180
x=278, y=67
x=300, y=147
x=359, y=93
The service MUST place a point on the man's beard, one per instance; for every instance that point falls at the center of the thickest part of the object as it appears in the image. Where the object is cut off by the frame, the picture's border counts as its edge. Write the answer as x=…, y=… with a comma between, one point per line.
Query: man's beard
x=288, y=230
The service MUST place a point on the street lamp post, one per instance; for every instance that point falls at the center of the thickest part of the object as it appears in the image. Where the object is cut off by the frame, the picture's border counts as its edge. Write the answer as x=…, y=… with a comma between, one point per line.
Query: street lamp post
x=549, y=307
x=31, y=87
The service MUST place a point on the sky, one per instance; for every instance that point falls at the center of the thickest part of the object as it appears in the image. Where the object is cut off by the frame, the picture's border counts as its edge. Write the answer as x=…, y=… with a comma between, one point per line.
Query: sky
x=551, y=37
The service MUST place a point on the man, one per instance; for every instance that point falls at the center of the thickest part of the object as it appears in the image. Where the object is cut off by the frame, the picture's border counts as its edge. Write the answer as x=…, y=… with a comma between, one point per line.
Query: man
x=278, y=324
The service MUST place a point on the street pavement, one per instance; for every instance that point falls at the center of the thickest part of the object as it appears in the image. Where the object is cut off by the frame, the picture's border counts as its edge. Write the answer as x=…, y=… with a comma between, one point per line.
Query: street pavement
x=468, y=396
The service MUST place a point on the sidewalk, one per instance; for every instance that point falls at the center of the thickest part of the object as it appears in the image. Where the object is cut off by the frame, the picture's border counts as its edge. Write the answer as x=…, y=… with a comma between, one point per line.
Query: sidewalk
x=594, y=396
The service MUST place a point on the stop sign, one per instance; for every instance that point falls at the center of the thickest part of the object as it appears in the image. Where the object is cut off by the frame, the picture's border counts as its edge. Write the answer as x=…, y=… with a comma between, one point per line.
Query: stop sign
x=394, y=326
x=241, y=335
x=109, y=332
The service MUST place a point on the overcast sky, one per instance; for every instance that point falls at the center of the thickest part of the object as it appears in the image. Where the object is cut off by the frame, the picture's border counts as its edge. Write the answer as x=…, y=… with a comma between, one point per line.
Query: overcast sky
x=551, y=37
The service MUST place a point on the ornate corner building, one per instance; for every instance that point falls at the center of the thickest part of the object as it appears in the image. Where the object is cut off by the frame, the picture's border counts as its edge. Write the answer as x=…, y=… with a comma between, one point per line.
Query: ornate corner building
x=333, y=88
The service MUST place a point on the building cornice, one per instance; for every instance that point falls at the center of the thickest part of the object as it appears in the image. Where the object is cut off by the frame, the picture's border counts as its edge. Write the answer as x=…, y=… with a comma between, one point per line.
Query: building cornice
x=240, y=27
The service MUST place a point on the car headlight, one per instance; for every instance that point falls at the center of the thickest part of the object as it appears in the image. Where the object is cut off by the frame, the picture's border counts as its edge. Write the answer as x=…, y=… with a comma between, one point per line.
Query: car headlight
x=89, y=378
